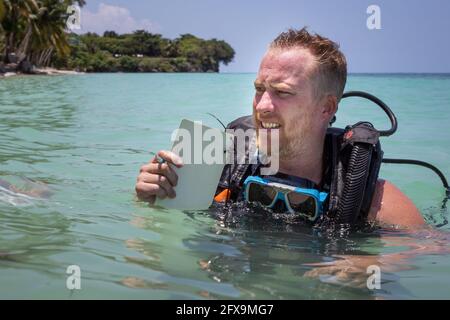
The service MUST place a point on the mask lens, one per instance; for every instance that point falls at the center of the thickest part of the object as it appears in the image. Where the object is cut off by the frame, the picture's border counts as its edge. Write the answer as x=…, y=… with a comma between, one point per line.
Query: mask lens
x=303, y=204
x=261, y=194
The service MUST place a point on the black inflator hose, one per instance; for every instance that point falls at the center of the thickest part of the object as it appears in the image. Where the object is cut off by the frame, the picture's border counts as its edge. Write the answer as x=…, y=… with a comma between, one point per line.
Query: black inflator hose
x=382, y=105
x=355, y=183
x=426, y=165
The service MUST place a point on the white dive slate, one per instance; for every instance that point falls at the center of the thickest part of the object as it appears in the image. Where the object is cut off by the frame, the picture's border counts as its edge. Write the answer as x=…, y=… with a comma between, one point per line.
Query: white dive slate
x=203, y=150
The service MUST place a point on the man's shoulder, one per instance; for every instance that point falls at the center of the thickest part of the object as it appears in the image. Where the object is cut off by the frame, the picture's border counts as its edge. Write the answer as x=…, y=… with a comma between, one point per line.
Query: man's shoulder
x=390, y=206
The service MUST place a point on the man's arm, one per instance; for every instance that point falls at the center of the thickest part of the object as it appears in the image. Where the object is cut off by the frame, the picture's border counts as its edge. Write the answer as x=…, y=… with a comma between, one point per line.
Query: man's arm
x=392, y=207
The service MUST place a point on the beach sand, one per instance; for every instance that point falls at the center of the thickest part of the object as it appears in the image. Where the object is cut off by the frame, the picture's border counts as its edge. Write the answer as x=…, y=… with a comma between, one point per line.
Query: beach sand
x=41, y=71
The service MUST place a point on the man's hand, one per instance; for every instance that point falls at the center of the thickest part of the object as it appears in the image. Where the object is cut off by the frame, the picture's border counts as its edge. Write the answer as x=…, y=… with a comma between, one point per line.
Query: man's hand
x=351, y=270
x=158, y=179
x=345, y=270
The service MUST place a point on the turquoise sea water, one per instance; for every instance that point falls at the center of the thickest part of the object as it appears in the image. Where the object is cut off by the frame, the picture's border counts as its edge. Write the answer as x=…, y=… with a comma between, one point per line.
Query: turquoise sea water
x=80, y=141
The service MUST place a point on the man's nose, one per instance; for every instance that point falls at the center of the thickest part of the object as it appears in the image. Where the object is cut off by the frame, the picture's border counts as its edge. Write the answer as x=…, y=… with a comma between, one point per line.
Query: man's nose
x=264, y=104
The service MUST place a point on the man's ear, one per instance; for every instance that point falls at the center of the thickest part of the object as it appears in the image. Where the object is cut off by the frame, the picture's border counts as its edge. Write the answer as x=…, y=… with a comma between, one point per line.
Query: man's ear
x=329, y=106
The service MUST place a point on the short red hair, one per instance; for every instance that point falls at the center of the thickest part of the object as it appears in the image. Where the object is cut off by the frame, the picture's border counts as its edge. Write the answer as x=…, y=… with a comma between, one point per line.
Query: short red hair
x=331, y=73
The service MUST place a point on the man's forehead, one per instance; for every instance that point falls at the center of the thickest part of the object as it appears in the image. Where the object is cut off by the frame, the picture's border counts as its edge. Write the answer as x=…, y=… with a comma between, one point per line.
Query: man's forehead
x=286, y=65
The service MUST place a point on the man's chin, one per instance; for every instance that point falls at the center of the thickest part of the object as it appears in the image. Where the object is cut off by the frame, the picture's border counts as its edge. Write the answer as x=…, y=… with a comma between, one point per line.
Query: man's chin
x=286, y=154
x=290, y=150
x=283, y=154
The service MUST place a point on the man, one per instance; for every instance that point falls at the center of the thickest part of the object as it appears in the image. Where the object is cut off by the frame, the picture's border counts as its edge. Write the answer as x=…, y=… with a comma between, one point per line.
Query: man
x=299, y=84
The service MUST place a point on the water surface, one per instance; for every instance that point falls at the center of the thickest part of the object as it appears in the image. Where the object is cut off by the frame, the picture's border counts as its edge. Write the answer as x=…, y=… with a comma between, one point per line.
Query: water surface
x=81, y=140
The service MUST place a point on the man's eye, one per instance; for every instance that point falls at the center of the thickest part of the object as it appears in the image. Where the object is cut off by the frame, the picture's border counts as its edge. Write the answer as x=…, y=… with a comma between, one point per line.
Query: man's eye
x=259, y=89
x=283, y=93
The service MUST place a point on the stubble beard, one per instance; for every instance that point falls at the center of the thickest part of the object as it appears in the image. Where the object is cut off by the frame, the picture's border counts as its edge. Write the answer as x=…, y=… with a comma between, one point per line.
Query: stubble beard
x=295, y=140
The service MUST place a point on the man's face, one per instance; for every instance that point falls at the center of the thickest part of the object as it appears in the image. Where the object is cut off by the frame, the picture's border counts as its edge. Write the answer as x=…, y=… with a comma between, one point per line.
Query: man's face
x=285, y=99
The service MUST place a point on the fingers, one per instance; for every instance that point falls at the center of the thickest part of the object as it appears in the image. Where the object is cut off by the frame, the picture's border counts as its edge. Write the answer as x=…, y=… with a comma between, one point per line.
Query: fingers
x=158, y=180
x=353, y=278
x=148, y=192
x=145, y=197
x=171, y=157
x=162, y=169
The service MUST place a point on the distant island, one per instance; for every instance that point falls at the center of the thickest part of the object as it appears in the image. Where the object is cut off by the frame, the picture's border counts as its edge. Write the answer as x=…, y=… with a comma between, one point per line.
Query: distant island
x=142, y=51
x=34, y=40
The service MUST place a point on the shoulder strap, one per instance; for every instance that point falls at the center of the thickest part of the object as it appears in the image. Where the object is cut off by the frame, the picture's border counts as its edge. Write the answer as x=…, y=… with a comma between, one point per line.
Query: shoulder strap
x=233, y=175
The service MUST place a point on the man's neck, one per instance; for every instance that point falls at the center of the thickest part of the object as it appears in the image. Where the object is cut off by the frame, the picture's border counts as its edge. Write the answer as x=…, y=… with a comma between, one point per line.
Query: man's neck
x=308, y=165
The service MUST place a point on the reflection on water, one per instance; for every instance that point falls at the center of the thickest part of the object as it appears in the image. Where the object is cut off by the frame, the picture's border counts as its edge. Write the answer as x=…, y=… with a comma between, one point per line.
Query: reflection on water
x=15, y=198
x=29, y=239
x=257, y=259
x=251, y=256
x=27, y=193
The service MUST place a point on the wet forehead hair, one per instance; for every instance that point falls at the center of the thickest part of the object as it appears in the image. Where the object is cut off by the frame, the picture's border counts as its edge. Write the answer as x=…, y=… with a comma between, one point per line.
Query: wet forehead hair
x=330, y=75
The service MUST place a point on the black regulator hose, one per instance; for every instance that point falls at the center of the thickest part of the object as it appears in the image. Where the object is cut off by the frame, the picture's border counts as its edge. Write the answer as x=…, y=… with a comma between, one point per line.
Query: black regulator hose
x=382, y=105
x=426, y=165
x=423, y=164
x=355, y=183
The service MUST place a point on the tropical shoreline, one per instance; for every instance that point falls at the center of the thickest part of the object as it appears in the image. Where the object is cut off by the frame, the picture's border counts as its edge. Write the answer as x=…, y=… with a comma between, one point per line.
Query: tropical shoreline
x=34, y=37
x=48, y=71
x=139, y=51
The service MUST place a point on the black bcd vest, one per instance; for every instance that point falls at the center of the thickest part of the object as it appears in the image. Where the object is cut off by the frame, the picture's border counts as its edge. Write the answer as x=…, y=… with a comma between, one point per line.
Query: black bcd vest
x=352, y=160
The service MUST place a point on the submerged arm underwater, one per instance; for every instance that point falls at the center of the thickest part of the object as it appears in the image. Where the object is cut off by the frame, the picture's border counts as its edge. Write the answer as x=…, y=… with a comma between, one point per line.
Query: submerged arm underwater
x=399, y=230
x=352, y=270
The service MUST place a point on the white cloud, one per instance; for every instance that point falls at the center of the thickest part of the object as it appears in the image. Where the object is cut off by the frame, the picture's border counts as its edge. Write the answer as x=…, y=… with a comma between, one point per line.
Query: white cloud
x=114, y=18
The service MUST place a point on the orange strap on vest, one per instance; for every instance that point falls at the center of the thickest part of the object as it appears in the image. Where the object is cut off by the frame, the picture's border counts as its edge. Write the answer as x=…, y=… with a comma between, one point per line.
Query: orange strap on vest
x=223, y=196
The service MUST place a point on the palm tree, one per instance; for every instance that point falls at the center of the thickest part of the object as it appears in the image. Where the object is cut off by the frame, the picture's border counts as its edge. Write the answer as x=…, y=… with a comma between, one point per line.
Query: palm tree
x=47, y=33
x=2, y=10
x=17, y=15
x=2, y=15
x=35, y=29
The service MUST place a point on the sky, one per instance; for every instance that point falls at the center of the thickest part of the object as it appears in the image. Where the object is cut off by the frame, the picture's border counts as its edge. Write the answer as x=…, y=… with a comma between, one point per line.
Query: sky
x=413, y=34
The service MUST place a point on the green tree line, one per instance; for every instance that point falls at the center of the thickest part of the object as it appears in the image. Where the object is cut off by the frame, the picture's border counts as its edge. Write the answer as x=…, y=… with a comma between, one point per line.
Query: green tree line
x=33, y=32
x=142, y=51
